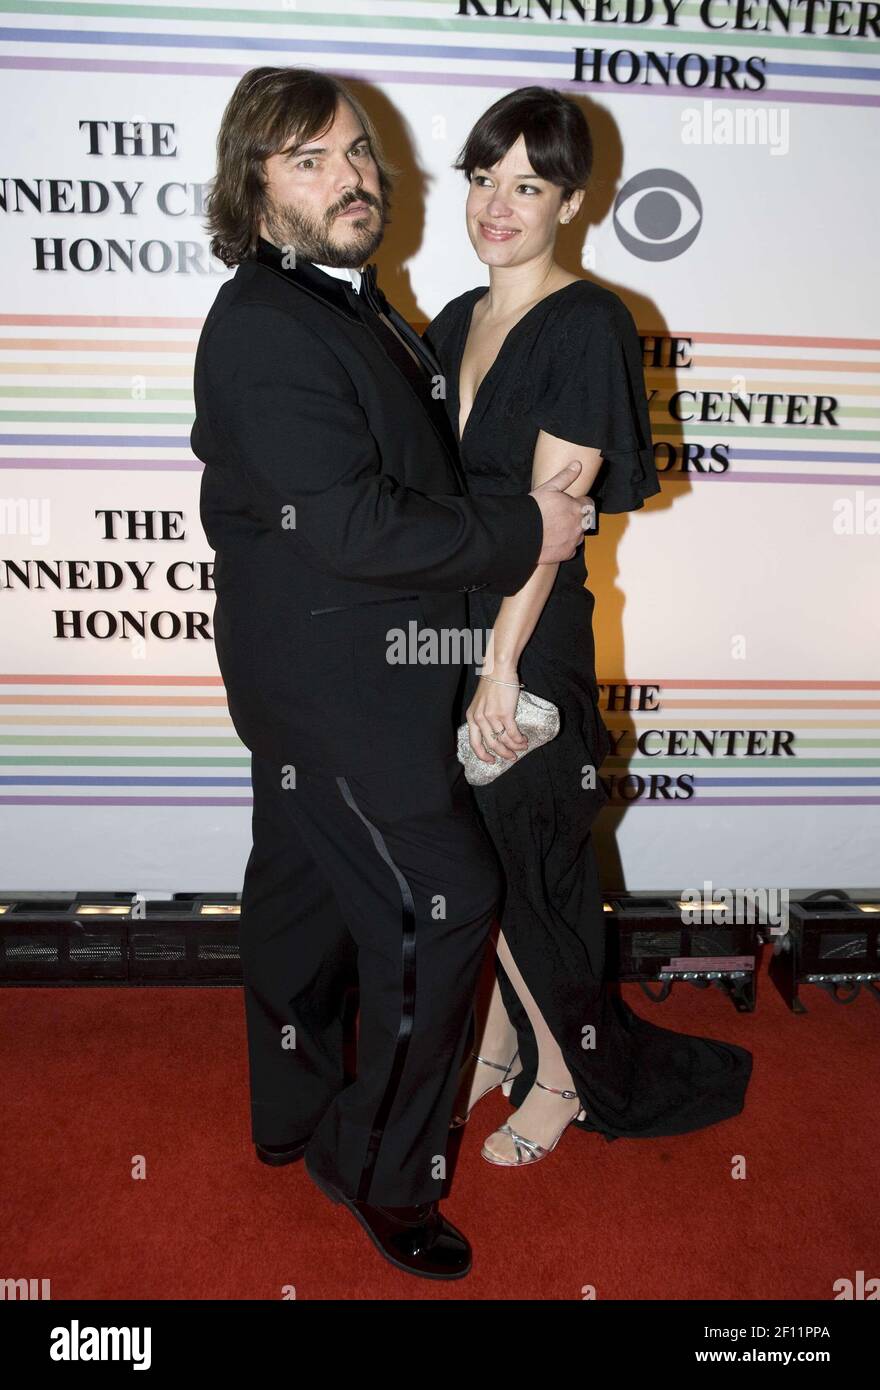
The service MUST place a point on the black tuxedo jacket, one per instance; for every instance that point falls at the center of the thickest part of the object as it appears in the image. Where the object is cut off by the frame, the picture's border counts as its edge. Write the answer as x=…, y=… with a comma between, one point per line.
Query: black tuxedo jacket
x=334, y=499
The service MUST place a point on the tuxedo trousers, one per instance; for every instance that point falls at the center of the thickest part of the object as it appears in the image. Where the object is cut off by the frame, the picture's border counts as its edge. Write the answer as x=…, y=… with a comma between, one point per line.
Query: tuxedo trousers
x=392, y=875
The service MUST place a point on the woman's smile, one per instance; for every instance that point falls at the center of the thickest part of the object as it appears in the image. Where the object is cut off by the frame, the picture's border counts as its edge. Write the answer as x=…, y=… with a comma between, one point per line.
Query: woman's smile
x=493, y=232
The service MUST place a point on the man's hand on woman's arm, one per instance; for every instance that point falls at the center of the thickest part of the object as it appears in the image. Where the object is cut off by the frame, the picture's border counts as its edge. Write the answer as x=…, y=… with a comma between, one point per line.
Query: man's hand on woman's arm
x=494, y=704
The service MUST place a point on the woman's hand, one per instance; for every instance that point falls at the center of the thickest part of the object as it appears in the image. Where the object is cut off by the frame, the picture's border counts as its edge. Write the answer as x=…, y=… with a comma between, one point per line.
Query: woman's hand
x=490, y=718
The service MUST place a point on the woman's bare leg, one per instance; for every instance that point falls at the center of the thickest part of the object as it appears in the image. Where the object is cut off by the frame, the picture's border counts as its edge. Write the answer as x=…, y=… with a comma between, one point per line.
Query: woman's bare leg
x=494, y=1038
x=542, y=1114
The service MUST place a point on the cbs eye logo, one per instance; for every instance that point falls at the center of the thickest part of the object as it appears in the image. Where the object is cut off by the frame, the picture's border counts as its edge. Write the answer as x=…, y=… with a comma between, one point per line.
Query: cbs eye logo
x=658, y=215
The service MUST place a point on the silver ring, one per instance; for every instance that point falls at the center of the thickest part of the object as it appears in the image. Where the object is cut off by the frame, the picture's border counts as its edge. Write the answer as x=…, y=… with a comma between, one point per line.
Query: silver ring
x=496, y=733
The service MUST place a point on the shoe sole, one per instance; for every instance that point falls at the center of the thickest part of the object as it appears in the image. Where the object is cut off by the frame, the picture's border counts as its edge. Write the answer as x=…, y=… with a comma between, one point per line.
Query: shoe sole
x=280, y=1159
x=339, y=1198
x=459, y=1121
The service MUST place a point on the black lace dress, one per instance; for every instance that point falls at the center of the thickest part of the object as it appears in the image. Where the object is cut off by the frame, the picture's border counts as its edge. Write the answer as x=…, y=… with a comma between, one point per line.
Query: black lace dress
x=572, y=366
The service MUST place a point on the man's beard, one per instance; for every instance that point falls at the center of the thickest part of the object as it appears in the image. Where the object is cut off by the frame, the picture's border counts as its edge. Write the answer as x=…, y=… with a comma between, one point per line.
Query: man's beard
x=310, y=238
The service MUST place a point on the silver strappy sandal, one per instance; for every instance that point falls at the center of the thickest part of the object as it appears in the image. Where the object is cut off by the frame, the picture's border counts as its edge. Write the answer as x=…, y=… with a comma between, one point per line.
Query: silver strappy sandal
x=505, y=1083
x=526, y=1150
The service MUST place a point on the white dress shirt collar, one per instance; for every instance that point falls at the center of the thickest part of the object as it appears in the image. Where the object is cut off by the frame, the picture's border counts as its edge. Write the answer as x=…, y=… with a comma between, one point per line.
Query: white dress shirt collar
x=350, y=273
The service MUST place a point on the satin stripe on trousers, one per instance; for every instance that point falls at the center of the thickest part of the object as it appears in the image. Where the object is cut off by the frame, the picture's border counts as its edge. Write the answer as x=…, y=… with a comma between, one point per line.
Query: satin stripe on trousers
x=391, y=874
x=408, y=991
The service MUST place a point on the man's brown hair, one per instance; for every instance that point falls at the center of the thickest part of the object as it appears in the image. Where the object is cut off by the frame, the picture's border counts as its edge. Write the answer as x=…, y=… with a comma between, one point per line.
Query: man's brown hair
x=269, y=109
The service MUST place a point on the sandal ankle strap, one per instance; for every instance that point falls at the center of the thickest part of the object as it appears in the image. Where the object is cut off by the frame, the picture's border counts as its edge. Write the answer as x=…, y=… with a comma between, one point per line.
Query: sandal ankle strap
x=499, y=1066
x=567, y=1095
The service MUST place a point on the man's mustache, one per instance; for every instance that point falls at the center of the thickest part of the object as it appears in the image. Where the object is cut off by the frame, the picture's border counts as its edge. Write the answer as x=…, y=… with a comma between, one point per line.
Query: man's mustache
x=363, y=197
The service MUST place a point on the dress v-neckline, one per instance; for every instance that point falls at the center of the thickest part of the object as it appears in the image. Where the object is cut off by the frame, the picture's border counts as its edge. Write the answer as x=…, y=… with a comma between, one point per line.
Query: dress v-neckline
x=468, y=320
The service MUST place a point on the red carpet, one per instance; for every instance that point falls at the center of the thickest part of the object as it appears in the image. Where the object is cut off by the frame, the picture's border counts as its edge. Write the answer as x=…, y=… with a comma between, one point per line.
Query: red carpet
x=95, y=1077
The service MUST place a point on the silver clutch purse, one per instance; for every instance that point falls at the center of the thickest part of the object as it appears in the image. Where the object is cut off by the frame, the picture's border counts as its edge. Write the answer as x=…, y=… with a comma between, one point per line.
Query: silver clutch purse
x=537, y=720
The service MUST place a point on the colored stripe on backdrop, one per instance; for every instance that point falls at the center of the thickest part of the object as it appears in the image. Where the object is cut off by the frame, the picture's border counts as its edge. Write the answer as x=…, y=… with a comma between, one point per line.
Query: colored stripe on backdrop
x=177, y=759
x=455, y=53
x=765, y=359
x=432, y=45
x=784, y=96
x=448, y=24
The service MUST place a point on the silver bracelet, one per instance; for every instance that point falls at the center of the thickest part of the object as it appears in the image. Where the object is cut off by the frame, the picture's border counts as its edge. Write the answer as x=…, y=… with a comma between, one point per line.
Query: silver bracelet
x=514, y=685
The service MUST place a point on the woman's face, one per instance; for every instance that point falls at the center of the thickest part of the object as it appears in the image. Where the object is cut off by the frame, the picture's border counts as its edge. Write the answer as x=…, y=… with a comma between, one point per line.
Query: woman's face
x=512, y=214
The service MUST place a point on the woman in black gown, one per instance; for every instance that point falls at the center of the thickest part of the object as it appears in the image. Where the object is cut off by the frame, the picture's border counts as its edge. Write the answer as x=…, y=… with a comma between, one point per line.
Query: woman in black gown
x=540, y=362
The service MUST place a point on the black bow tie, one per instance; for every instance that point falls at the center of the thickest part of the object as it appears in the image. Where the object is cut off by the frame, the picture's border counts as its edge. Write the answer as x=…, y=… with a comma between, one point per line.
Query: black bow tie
x=370, y=291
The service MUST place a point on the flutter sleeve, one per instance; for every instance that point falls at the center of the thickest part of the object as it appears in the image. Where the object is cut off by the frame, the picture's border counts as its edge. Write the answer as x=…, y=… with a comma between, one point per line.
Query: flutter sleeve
x=594, y=395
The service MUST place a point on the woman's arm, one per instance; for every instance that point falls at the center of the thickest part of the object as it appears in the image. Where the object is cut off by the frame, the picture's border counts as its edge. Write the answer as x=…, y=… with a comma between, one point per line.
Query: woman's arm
x=494, y=705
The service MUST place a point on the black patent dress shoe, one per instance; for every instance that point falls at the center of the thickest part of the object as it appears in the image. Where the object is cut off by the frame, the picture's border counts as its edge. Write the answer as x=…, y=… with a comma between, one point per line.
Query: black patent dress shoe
x=278, y=1154
x=417, y=1240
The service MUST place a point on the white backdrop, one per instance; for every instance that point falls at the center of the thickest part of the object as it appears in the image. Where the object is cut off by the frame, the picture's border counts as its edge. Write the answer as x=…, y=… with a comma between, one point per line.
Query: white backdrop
x=744, y=597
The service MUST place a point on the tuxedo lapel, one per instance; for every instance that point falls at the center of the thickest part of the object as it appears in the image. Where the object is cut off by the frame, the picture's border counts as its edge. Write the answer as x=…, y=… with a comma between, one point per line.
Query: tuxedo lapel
x=424, y=378
x=303, y=274
x=420, y=376
x=432, y=366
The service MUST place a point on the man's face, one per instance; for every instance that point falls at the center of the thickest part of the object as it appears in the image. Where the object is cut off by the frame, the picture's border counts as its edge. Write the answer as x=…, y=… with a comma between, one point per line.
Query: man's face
x=323, y=197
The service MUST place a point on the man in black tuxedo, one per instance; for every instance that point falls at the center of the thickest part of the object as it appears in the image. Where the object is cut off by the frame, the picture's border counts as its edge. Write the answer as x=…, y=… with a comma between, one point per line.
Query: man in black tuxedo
x=334, y=499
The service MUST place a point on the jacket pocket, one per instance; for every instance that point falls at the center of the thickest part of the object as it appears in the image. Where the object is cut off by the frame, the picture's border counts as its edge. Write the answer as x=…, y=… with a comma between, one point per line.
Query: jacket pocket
x=402, y=665
x=360, y=603
x=347, y=620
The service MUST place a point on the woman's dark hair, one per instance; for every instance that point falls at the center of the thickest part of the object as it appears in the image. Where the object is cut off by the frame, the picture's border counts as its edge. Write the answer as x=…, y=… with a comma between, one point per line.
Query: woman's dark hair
x=270, y=108
x=555, y=131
